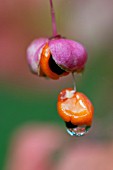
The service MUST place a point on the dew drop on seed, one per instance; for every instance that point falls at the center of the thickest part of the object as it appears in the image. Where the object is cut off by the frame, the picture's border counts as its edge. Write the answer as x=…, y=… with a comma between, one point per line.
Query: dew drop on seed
x=78, y=130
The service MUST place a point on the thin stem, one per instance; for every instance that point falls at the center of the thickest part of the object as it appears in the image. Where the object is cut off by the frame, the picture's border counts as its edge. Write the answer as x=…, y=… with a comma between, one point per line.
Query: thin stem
x=74, y=81
x=53, y=19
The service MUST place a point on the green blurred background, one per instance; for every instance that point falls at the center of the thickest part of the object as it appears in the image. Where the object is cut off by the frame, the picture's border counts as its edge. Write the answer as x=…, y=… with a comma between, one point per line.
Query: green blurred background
x=26, y=98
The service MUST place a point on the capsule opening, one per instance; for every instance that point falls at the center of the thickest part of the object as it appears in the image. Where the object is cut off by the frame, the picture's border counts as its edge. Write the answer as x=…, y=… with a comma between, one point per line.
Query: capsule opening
x=54, y=67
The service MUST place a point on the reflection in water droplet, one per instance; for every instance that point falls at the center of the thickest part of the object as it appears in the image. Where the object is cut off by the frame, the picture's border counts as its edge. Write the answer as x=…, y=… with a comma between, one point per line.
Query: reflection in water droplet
x=78, y=131
x=74, y=130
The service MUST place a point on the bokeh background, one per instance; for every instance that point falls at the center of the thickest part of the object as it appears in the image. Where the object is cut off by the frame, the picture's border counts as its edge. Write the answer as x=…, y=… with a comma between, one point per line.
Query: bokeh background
x=26, y=98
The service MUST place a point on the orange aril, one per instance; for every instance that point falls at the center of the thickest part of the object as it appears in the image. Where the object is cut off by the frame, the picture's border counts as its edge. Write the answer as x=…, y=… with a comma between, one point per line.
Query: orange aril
x=75, y=107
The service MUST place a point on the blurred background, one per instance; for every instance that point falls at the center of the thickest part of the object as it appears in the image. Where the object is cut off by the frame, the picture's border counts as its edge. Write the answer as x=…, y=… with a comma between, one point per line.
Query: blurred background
x=26, y=98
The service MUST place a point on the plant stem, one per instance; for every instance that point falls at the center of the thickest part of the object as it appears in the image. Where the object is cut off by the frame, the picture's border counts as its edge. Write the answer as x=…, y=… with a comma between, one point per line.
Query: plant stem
x=74, y=80
x=54, y=29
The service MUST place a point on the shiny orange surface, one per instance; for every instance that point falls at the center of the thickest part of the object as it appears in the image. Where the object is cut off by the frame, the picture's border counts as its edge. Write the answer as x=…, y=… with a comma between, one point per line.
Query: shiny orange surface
x=44, y=64
x=75, y=107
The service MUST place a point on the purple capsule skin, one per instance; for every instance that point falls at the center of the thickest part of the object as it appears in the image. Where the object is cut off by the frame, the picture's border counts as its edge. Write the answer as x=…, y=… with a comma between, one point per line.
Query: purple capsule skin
x=34, y=53
x=68, y=54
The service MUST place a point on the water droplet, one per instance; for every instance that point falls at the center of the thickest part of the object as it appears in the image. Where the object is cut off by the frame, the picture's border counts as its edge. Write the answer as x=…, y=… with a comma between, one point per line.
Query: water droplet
x=78, y=130
x=75, y=130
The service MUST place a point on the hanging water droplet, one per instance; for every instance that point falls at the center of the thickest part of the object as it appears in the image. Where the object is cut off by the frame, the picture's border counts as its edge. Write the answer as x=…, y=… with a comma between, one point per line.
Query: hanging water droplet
x=78, y=131
x=75, y=130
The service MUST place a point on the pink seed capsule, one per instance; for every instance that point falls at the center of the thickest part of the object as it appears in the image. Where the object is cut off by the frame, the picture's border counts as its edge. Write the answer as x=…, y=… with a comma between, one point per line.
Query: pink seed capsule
x=34, y=53
x=68, y=54
x=56, y=57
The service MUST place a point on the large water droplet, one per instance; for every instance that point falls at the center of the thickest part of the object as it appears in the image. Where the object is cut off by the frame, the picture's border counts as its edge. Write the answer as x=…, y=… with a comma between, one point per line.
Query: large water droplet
x=75, y=130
